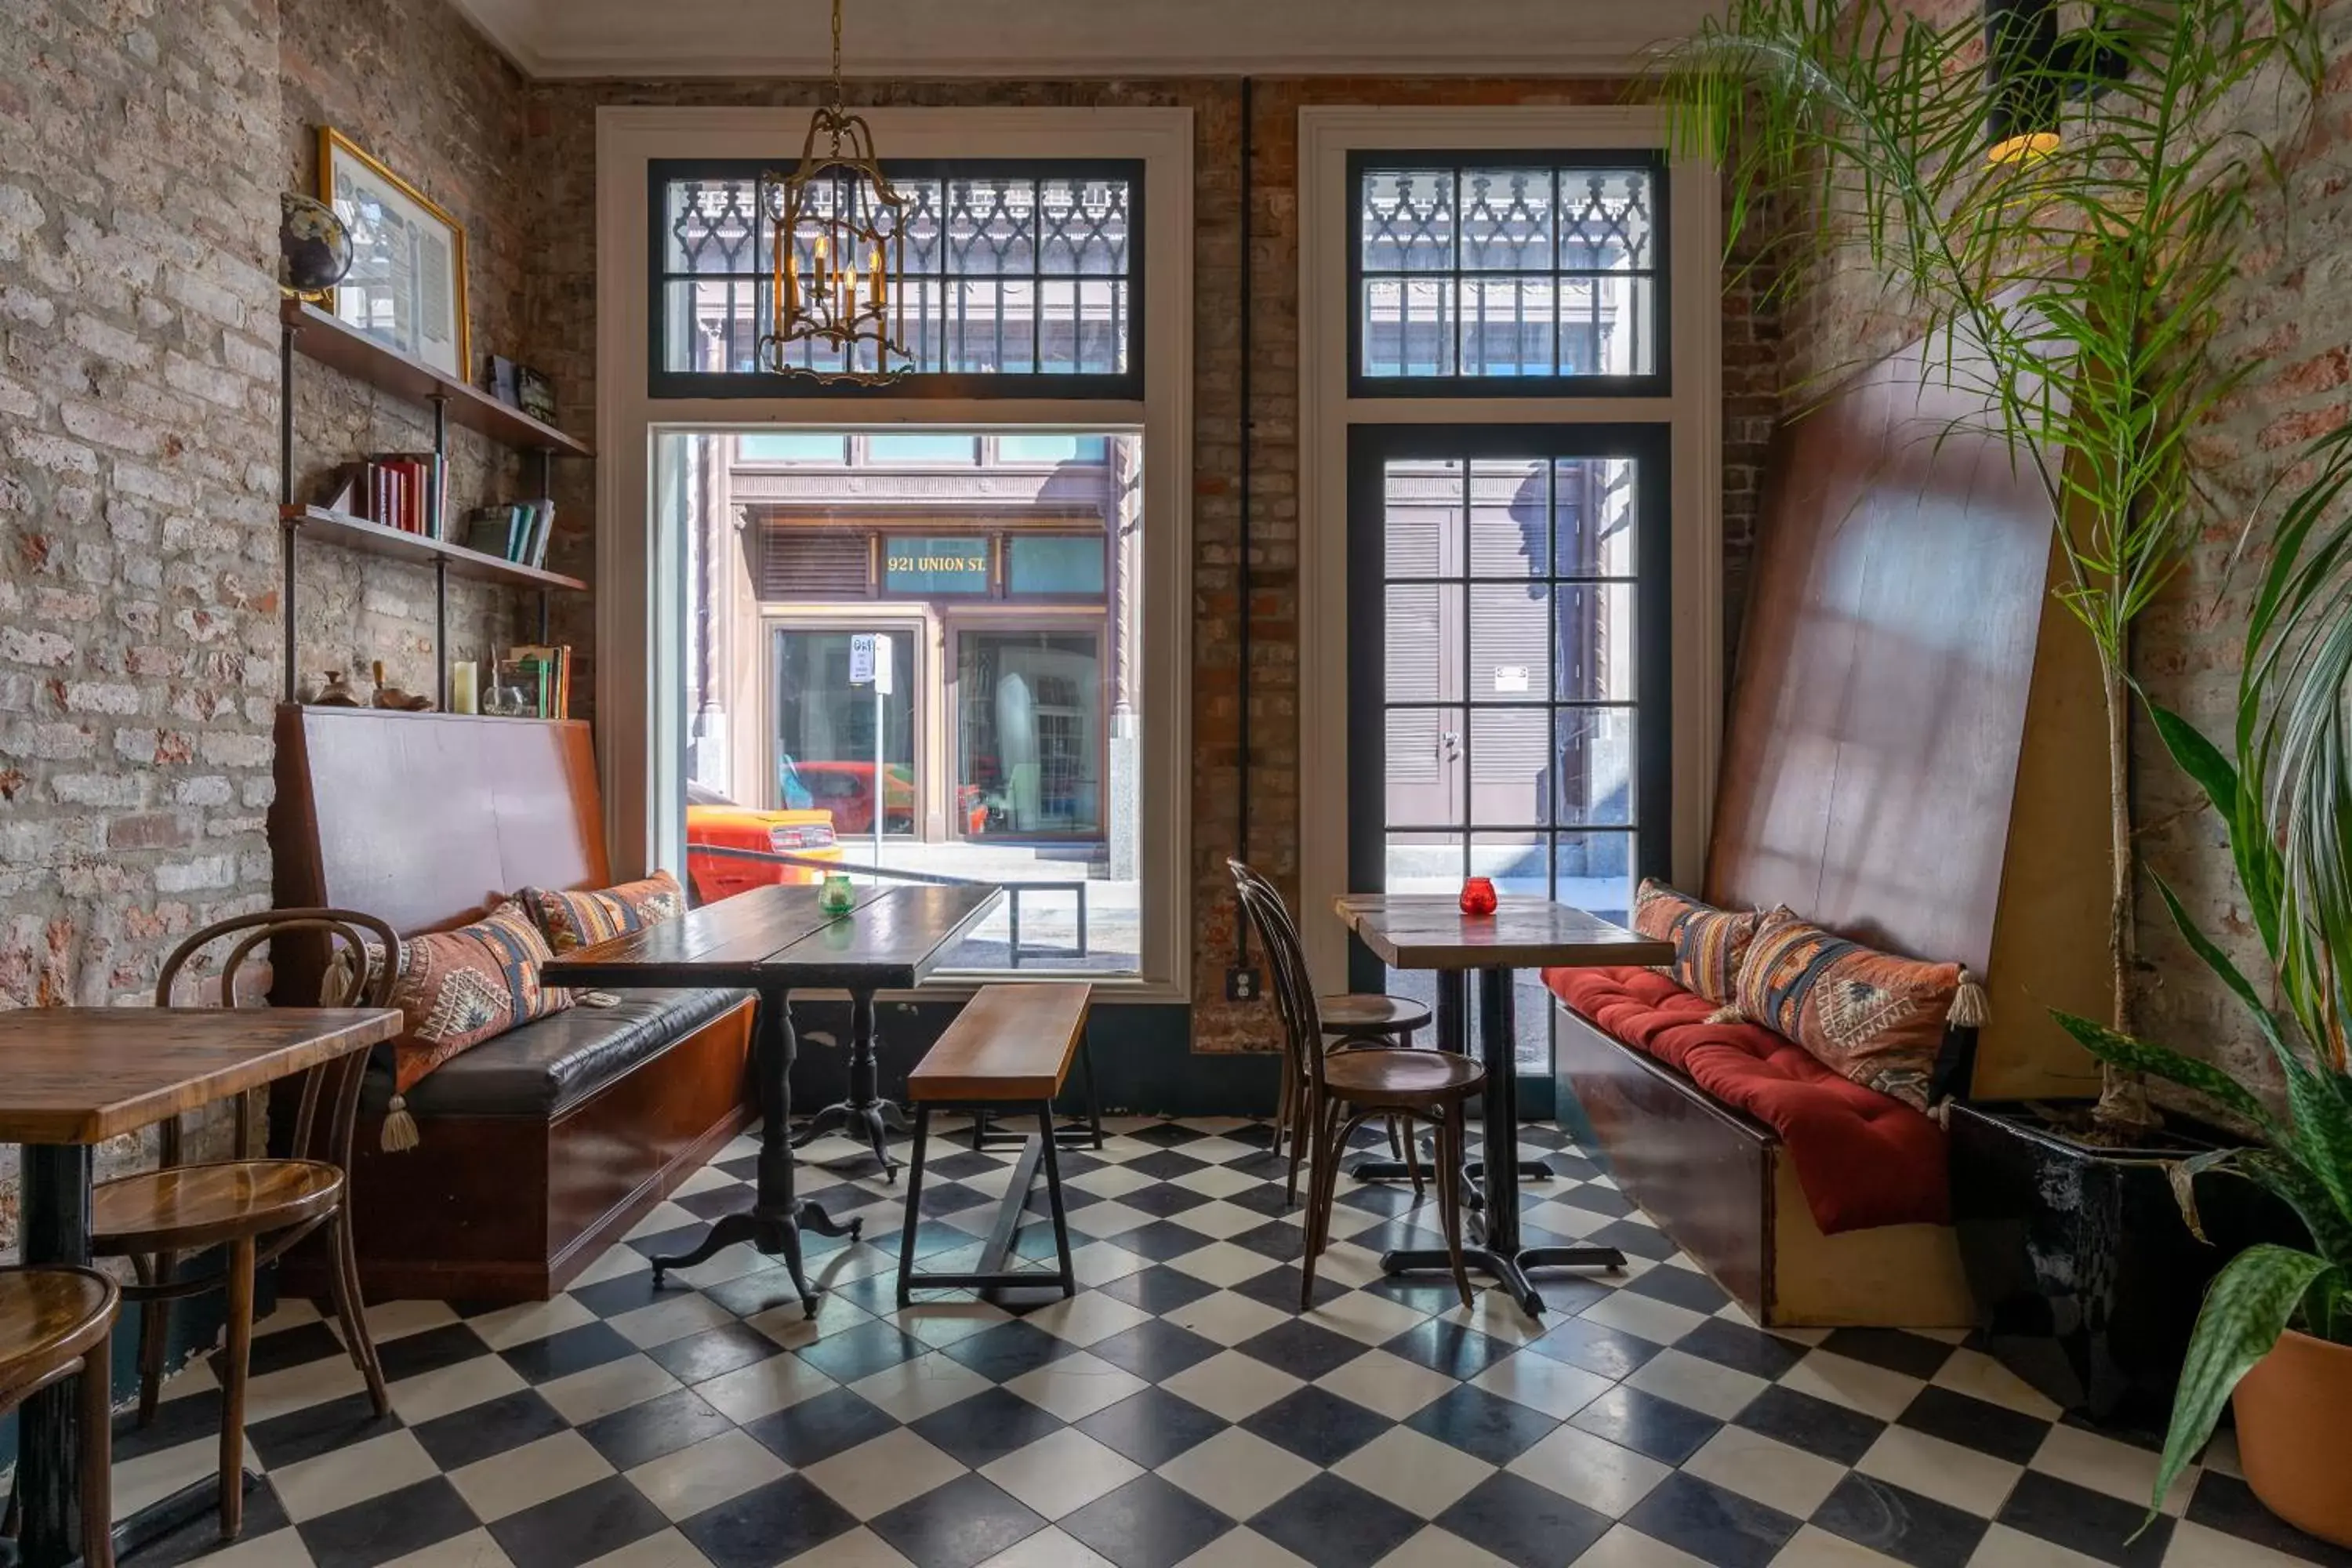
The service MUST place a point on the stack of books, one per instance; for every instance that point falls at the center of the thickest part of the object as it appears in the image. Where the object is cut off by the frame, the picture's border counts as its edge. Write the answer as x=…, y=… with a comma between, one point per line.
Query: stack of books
x=406, y=491
x=517, y=531
x=544, y=676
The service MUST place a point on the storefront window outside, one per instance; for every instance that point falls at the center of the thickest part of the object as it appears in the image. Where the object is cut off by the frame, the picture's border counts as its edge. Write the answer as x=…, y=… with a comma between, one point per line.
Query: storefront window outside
x=1031, y=751
x=825, y=732
x=962, y=449
x=795, y=447
x=1051, y=448
x=1053, y=564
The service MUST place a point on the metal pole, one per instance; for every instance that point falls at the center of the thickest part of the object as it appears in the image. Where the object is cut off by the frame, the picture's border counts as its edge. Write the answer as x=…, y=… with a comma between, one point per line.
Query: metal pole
x=287, y=525
x=881, y=794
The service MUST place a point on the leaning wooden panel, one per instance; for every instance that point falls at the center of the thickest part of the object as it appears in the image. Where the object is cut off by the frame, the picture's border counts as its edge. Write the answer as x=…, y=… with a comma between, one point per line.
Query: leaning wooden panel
x=1911, y=752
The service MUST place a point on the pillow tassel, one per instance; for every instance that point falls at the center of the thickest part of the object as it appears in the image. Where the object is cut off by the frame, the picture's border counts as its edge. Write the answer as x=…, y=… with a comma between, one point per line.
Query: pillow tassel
x=1727, y=1013
x=1971, y=1009
x=399, y=1128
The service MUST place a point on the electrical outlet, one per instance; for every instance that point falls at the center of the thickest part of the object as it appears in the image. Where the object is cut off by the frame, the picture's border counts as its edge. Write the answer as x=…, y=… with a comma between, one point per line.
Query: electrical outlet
x=1242, y=984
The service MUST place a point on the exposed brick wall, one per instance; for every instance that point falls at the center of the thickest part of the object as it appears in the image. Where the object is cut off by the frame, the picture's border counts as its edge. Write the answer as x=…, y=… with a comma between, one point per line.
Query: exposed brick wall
x=563, y=128
x=142, y=146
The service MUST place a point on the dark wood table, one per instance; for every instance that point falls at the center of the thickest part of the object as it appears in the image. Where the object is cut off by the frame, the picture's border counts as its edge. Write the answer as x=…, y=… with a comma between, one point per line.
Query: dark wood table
x=1430, y=931
x=774, y=941
x=71, y=1077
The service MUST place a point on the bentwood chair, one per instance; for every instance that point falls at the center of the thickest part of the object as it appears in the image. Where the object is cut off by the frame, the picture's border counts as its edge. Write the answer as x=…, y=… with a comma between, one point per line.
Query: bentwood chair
x=1346, y=1088
x=254, y=1208
x=1348, y=1022
x=56, y=1323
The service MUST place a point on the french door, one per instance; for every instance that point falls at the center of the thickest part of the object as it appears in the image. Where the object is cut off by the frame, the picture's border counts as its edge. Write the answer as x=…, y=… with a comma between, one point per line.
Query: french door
x=1509, y=672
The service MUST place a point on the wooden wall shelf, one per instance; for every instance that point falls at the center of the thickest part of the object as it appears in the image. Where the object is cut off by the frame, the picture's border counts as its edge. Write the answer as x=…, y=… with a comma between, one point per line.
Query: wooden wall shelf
x=335, y=343
x=379, y=539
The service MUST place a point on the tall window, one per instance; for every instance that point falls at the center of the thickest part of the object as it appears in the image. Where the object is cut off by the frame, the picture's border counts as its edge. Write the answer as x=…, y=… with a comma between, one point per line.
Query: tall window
x=1509, y=273
x=1018, y=281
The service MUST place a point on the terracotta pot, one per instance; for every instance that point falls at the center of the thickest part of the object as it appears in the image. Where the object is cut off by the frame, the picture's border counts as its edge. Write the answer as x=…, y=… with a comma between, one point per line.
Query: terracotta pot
x=2290, y=1434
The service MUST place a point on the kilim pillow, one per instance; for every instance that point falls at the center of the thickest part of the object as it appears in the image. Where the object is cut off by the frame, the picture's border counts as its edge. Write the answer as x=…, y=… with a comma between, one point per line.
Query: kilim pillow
x=458, y=988
x=1709, y=943
x=1871, y=1016
x=582, y=919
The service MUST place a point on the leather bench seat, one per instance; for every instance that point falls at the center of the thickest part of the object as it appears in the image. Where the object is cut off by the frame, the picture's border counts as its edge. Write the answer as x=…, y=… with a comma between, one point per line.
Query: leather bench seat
x=546, y=1067
x=1862, y=1159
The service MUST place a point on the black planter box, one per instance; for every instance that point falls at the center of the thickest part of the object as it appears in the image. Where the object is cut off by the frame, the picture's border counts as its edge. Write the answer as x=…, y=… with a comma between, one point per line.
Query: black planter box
x=2085, y=1276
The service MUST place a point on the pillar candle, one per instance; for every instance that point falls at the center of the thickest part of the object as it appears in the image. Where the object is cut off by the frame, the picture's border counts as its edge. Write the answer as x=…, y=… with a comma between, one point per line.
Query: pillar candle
x=463, y=698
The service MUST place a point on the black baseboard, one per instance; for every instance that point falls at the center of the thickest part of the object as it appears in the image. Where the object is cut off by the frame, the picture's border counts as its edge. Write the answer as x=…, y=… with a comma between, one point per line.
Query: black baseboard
x=1143, y=1056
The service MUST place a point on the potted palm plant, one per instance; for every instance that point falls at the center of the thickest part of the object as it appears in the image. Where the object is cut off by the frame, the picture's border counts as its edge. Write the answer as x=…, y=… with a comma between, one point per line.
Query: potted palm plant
x=2060, y=216
x=2276, y=1325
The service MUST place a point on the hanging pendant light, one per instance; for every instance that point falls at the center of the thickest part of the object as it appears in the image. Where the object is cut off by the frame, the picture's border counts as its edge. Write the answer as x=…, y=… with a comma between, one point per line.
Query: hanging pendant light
x=2032, y=72
x=837, y=229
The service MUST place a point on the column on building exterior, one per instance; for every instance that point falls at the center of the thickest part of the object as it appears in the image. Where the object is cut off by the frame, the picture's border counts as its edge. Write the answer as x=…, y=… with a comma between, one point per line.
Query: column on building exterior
x=1124, y=787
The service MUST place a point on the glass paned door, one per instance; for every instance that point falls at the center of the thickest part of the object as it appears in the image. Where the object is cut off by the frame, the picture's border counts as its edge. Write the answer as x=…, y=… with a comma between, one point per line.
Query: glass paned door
x=1029, y=734
x=824, y=754
x=1510, y=651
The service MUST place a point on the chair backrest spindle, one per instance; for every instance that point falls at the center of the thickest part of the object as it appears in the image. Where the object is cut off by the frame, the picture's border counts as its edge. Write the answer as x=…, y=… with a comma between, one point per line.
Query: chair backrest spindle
x=372, y=951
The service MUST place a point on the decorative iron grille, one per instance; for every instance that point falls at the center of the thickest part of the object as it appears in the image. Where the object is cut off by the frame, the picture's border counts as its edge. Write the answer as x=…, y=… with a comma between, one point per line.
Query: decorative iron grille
x=1483, y=270
x=1018, y=276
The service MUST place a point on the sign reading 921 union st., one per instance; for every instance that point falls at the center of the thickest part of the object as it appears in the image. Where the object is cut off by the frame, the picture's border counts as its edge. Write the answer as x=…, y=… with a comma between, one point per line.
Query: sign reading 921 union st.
x=935, y=564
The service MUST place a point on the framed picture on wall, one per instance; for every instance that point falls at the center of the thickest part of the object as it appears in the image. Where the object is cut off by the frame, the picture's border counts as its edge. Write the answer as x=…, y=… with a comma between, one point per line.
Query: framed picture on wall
x=407, y=283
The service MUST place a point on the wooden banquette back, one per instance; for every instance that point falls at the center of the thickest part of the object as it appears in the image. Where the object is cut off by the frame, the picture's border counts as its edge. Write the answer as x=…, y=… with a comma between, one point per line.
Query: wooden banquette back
x=1914, y=749
x=427, y=819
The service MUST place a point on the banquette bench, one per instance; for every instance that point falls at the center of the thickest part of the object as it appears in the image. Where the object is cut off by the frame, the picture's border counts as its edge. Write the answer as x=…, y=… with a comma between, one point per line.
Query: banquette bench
x=538, y=1149
x=1913, y=759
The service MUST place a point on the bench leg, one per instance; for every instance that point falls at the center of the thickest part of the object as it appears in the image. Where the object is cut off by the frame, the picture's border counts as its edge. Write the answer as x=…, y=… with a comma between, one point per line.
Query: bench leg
x=1053, y=1195
x=914, y=1201
x=1094, y=1100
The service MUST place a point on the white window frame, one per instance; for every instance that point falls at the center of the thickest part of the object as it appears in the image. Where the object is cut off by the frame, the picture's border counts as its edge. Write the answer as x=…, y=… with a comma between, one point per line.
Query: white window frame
x=1692, y=412
x=638, y=601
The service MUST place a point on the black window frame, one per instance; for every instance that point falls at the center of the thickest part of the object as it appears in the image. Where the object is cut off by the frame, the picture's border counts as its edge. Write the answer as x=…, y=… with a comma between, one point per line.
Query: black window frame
x=1658, y=383
x=1124, y=386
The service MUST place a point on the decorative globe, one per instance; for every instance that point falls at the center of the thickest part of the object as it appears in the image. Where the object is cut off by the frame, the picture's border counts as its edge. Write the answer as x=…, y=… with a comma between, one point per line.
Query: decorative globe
x=313, y=244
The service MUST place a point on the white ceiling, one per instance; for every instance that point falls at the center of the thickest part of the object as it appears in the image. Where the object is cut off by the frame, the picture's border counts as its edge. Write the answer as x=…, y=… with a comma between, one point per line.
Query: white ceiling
x=1043, y=38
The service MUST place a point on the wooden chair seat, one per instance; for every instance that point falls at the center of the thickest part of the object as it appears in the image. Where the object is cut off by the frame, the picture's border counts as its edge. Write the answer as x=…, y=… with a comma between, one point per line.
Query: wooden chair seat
x=56, y=1323
x=49, y=1320
x=1403, y=1078
x=186, y=1208
x=1355, y=1014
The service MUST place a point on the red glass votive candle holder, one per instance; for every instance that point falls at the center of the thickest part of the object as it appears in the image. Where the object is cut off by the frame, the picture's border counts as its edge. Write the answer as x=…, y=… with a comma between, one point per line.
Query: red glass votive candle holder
x=1478, y=896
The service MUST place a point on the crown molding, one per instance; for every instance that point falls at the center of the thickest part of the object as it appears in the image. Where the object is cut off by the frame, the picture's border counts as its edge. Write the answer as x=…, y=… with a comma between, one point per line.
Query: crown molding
x=935, y=39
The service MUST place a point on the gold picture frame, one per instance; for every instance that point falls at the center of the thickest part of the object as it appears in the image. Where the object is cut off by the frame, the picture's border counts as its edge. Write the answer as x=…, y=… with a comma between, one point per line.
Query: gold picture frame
x=406, y=287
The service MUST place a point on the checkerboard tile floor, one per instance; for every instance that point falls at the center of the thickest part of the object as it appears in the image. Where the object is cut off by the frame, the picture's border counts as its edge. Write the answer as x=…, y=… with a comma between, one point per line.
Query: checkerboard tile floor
x=1178, y=1411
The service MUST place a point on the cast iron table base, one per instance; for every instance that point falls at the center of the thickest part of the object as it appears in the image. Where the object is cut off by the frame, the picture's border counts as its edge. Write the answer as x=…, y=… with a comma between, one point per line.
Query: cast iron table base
x=776, y=1220
x=864, y=1115
x=1496, y=1222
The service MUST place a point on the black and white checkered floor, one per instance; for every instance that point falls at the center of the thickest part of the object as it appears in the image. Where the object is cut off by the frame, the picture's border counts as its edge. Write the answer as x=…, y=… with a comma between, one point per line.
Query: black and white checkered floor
x=1179, y=1410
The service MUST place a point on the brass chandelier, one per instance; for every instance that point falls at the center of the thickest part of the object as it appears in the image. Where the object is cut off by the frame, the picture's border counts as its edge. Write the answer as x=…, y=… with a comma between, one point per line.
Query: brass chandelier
x=834, y=312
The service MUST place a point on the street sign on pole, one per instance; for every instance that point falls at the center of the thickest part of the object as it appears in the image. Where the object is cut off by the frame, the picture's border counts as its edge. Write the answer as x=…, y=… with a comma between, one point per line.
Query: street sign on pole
x=870, y=665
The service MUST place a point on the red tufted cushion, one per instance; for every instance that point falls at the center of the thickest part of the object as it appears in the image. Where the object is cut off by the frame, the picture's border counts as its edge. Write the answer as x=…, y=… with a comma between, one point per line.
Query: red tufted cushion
x=1864, y=1159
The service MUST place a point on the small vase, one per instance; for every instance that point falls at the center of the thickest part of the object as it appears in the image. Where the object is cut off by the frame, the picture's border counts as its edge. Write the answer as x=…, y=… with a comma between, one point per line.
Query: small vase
x=1478, y=895
x=837, y=898
x=336, y=693
x=2290, y=1412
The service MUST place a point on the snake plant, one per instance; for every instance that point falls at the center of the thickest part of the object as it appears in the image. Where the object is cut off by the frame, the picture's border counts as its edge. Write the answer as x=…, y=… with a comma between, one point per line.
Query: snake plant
x=2284, y=791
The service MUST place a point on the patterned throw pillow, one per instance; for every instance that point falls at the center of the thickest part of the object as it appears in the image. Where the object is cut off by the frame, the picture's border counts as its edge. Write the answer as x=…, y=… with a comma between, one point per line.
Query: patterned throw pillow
x=459, y=988
x=582, y=919
x=1709, y=943
x=1869, y=1015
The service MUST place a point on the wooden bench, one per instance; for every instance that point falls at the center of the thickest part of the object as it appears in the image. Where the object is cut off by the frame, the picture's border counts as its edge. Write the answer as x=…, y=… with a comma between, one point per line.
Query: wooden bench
x=1007, y=1053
